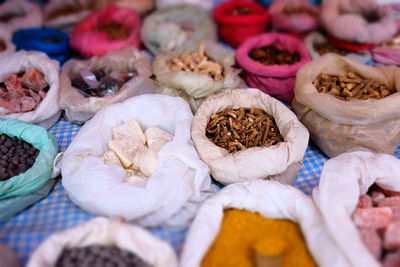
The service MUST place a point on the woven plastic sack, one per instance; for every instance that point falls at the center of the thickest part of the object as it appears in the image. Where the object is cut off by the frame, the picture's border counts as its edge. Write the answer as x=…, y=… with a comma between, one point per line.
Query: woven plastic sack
x=177, y=27
x=65, y=21
x=256, y=162
x=48, y=111
x=338, y=126
x=275, y=80
x=8, y=257
x=271, y=200
x=90, y=42
x=195, y=87
x=171, y=200
x=389, y=53
x=78, y=108
x=342, y=181
x=206, y=4
x=297, y=22
x=315, y=37
x=5, y=36
x=344, y=20
x=27, y=15
x=102, y=231
x=141, y=6
x=235, y=29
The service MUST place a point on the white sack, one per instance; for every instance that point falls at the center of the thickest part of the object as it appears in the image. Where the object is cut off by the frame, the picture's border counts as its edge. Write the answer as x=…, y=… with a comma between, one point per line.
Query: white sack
x=206, y=4
x=271, y=200
x=48, y=110
x=255, y=162
x=315, y=37
x=343, y=180
x=176, y=189
x=102, y=231
x=78, y=108
x=5, y=36
x=31, y=15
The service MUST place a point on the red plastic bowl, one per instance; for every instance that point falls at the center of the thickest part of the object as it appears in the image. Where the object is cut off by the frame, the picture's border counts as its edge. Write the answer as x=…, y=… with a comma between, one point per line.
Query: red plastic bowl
x=235, y=29
x=356, y=47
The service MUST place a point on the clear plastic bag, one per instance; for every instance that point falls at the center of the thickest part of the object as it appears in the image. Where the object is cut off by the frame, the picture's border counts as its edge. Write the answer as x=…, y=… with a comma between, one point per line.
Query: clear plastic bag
x=20, y=14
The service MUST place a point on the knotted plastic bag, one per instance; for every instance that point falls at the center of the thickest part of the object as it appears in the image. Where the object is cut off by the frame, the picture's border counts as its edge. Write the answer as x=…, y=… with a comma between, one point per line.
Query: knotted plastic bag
x=20, y=14
x=338, y=126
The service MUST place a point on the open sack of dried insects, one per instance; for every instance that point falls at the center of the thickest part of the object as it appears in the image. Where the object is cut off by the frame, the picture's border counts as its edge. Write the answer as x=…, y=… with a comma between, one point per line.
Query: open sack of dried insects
x=317, y=45
x=202, y=70
x=103, y=242
x=295, y=16
x=260, y=223
x=244, y=134
x=65, y=14
x=109, y=29
x=88, y=86
x=359, y=198
x=136, y=159
x=359, y=21
x=20, y=14
x=29, y=88
x=6, y=45
x=27, y=153
x=176, y=28
x=270, y=62
x=348, y=106
x=389, y=52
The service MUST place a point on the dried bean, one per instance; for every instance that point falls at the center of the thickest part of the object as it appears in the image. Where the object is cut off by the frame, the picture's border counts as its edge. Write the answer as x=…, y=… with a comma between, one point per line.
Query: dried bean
x=114, y=30
x=270, y=55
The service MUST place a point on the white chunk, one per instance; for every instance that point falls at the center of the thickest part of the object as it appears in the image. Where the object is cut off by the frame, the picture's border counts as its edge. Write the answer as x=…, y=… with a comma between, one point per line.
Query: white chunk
x=129, y=130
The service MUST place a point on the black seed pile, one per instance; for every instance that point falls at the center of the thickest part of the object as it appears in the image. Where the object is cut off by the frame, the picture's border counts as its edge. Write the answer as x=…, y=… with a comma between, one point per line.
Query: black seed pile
x=99, y=256
x=16, y=156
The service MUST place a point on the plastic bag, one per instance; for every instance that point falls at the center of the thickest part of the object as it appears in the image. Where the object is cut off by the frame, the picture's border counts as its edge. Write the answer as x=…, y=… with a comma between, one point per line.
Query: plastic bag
x=389, y=53
x=275, y=80
x=338, y=126
x=235, y=29
x=79, y=108
x=91, y=42
x=177, y=27
x=65, y=14
x=305, y=16
x=342, y=181
x=370, y=23
x=206, y=4
x=8, y=257
x=5, y=38
x=20, y=14
x=141, y=6
x=363, y=56
x=48, y=111
x=102, y=231
x=271, y=200
x=251, y=163
x=195, y=87
x=170, y=199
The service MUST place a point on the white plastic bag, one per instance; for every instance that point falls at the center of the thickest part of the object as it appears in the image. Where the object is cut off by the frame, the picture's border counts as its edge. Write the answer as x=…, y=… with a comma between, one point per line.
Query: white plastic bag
x=65, y=22
x=102, y=231
x=271, y=200
x=28, y=15
x=5, y=36
x=256, y=162
x=315, y=37
x=342, y=181
x=78, y=108
x=170, y=196
x=195, y=87
x=206, y=4
x=48, y=110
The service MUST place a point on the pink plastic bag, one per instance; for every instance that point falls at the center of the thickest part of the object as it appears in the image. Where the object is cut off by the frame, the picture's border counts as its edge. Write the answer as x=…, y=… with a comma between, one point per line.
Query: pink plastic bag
x=91, y=42
x=360, y=21
x=386, y=55
x=296, y=22
x=275, y=80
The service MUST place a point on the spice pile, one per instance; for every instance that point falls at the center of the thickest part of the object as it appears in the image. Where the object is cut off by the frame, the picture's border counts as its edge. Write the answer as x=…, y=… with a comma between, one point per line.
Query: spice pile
x=238, y=129
x=16, y=156
x=99, y=256
x=24, y=91
x=270, y=55
x=323, y=48
x=135, y=151
x=247, y=239
x=197, y=62
x=377, y=218
x=242, y=11
x=114, y=30
x=63, y=12
x=351, y=86
x=100, y=82
x=3, y=45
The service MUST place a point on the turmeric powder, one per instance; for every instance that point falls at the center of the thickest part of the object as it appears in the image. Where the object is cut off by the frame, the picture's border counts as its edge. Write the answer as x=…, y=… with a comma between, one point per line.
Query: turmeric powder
x=245, y=235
